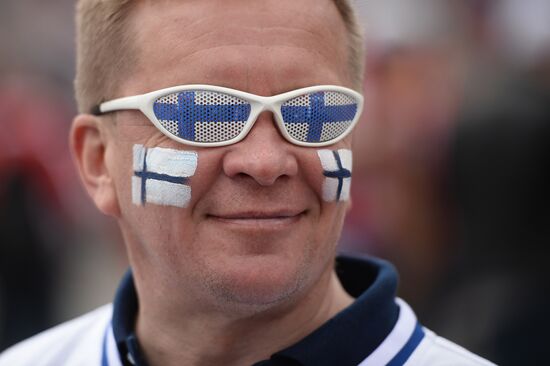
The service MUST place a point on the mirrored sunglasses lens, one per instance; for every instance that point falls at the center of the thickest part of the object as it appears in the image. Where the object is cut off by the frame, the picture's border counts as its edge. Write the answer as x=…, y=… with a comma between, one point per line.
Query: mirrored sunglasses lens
x=201, y=115
x=319, y=117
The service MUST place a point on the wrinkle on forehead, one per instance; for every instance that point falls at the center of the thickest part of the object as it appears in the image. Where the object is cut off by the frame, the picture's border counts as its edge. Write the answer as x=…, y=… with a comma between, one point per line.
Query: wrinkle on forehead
x=172, y=33
x=193, y=18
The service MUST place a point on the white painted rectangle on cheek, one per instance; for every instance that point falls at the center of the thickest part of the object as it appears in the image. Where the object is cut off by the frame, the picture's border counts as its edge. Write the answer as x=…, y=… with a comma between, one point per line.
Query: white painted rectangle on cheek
x=139, y=153
x=346, y=157
x=136, y=190
x=167, y=194
x=330, y=188
x=328, y=162
x=171, y=162
x=346, y=185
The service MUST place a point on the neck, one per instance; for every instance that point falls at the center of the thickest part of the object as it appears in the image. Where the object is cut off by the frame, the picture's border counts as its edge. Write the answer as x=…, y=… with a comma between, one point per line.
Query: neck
x=214, y=338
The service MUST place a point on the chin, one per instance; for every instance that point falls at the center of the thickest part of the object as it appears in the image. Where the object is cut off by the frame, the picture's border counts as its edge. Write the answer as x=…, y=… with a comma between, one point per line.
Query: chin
x=259, y=282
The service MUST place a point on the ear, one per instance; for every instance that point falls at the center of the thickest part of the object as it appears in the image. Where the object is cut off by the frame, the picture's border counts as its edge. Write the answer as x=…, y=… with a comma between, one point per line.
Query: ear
x=89, y=142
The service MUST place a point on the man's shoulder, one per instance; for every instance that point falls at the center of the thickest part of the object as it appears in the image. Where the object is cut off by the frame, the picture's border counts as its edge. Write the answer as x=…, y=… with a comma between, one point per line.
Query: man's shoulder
x=438, y=351
x=75, y=342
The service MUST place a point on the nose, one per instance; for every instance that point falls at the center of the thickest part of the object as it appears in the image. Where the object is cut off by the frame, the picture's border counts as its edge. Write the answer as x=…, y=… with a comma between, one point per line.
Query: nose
x=264, y=155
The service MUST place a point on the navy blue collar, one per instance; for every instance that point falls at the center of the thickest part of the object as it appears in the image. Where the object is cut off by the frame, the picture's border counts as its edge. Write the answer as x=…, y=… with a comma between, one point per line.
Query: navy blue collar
x=346, y=339
x=125, y=308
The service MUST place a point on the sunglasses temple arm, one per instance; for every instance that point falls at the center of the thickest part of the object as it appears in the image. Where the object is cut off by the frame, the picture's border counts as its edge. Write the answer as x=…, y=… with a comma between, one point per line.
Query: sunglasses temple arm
x=134, y=102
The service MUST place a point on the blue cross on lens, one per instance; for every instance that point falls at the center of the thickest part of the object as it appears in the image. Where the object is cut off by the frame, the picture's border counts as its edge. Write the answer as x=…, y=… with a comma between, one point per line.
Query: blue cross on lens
x=187, y=113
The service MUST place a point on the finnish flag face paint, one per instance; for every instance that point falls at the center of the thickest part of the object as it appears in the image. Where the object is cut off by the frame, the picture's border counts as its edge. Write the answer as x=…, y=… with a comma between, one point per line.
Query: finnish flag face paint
x=337, y=165
x=161, y=176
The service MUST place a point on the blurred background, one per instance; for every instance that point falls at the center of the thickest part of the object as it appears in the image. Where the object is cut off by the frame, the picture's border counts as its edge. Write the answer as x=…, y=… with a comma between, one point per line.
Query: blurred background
x=450, y=175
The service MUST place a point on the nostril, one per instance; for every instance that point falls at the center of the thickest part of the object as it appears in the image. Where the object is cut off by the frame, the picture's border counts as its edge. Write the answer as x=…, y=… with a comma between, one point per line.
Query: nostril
x=264, y=172
x=264, y=166
x=267, y=177
x=264, y=155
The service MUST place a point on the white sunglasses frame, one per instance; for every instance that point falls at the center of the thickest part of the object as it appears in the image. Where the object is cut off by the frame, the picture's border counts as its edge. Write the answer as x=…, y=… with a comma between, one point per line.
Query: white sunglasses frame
x=258, y=104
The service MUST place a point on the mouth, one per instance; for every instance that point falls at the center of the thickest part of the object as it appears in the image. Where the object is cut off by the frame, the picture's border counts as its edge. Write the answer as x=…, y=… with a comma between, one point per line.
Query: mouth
x=259, y=219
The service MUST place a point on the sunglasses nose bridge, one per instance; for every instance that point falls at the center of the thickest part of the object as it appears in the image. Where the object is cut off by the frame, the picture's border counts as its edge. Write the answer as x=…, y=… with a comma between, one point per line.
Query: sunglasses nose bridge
x=262, y=104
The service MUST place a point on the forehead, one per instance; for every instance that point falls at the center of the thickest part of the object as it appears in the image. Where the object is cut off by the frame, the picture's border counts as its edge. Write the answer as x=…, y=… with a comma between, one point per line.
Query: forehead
x=264, y=47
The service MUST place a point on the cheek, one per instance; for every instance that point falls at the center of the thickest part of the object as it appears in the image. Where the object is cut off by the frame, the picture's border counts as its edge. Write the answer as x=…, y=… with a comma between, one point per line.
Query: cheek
x=329, y=173
x=155, y=193
x=161, y=176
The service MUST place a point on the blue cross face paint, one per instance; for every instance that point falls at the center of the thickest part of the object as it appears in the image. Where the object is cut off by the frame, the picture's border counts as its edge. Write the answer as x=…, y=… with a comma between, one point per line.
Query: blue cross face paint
x=161, y=176
x=337, y=166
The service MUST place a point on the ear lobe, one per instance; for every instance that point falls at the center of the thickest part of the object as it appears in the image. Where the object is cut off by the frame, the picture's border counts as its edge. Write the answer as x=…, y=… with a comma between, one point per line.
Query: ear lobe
x=88, y=142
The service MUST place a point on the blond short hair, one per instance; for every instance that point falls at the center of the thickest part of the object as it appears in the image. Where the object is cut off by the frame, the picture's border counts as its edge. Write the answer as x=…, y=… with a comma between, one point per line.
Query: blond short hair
x=105, y=48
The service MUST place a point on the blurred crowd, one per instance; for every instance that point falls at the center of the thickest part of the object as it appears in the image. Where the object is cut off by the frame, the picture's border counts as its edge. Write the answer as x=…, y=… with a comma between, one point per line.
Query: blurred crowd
x=450, y=178
x=58, y=256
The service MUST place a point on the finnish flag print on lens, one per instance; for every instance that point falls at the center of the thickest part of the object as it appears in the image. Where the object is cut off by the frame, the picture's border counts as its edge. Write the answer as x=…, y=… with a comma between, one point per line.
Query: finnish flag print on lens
x=318, y=117
x=202, y=116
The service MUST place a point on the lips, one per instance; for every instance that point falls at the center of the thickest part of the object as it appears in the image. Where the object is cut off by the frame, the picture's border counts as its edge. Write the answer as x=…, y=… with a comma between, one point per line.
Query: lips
x=258, y=215
x=258, y=218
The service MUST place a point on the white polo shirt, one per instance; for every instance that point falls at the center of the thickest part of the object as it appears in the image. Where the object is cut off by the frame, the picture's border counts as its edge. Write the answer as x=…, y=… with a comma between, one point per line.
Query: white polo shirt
x=378, y=329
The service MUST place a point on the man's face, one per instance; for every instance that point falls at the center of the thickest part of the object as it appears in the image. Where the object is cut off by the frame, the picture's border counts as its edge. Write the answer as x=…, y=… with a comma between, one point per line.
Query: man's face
x=256, y=230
